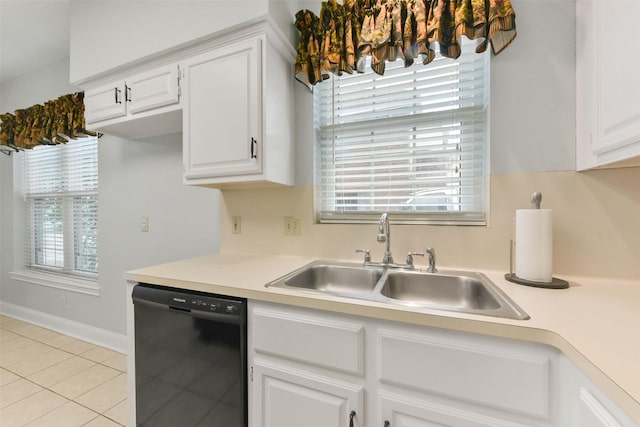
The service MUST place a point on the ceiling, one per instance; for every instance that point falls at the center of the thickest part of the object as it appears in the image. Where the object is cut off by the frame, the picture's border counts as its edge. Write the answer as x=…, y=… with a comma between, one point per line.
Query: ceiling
x=33, y=33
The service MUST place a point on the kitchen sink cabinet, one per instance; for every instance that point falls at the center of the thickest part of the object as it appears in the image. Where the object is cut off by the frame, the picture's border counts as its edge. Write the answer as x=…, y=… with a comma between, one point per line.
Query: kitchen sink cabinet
x=394, y=374
x=238, y=114
x=328, y=363
x=139, y=105
x=607, y=67
x=586, y=404
x=306, y=370
x=400, y=410
x=461, y=379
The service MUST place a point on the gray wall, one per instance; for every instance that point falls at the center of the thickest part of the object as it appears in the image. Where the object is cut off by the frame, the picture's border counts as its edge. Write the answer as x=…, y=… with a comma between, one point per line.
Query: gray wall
x=136, y=178
x=114, y=33
x=533, y=91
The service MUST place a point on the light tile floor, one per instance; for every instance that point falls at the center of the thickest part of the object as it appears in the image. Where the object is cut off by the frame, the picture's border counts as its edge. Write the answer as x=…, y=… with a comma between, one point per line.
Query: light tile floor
x=50, y=379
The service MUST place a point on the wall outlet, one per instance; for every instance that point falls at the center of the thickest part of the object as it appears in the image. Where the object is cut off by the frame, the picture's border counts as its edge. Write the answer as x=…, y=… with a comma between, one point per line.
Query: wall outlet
x=144, y=224
x=291, y=226
x=236, y=225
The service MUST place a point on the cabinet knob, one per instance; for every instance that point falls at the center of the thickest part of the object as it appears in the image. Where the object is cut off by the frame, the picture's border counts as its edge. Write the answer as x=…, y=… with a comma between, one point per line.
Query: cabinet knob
x=351, y=417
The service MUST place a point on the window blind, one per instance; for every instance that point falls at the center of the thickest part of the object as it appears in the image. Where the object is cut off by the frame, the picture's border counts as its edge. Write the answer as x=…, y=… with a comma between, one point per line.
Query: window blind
x=411, y=142
x=61, y=194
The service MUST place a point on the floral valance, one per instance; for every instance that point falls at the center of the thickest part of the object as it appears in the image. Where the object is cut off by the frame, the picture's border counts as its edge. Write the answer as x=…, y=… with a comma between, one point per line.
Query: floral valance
x=52, y=123
x=340, y=38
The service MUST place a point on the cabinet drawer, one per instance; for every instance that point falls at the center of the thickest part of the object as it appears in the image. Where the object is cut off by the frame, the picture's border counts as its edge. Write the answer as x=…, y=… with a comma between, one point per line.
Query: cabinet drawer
x=498, y=376
x=337, y=345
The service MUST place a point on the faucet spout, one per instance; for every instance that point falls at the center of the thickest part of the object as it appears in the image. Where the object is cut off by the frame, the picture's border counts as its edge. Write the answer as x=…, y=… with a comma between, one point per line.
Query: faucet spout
x=384, y=235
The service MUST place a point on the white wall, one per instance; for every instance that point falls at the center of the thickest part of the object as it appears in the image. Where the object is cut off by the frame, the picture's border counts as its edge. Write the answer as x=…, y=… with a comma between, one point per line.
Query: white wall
x=113, y=33
x=136, y=178
x=532, y=138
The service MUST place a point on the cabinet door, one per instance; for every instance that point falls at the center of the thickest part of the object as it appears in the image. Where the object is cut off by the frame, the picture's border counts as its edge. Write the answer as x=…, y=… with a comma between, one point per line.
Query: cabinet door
x=222, y=118
x=593, y=413
x=402, y=411
x=608, y=65
x=105, y=102
x=284, y=397
x=152, y=89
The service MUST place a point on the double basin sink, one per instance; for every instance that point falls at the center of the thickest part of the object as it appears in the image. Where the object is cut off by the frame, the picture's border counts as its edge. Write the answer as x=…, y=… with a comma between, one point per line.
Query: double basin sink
x=458, y=291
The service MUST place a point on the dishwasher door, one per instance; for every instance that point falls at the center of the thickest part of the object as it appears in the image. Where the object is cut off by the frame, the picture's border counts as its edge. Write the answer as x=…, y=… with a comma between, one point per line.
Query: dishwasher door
x=191, y=358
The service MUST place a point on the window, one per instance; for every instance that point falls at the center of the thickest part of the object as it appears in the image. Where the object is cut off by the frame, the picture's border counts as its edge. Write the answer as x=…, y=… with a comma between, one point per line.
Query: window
x=412, y=142
x=61, y=199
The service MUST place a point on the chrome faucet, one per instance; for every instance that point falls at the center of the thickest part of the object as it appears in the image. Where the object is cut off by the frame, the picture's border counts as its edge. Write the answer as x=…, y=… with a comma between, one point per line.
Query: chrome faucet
x=432, y=260
x=384, y=235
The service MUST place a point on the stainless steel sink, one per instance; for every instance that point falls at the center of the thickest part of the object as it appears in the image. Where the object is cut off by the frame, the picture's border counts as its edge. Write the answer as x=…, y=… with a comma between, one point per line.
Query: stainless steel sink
x=439, y=289
x=460, y=291
x=335, y=278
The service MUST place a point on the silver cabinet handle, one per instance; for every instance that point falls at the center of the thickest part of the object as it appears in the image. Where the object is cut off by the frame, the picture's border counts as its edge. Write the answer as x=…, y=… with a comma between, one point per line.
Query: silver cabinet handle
x=254, y=148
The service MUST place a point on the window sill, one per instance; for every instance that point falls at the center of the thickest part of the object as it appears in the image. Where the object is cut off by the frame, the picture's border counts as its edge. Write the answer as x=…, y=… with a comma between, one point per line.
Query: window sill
x=58, y=281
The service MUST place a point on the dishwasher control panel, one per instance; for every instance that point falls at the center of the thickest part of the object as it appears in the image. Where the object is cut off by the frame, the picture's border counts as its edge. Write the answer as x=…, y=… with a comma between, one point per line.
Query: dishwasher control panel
x=190, y=301
x=216, y=305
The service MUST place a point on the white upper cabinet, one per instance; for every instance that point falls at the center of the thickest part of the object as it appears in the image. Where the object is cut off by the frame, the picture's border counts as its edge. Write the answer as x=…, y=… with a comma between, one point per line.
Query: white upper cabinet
x=137, y=105
x=153, y=89
x=608, y=91
x=238, y=113
x=222, y=114
x=104, y=102
x=230, y=95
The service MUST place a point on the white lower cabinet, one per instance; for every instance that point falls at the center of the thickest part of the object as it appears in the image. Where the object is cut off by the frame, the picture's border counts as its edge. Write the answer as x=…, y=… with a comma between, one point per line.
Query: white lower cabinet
x=292, y=398
x=306, y=369
x=586, y=404
x=592, y=413
x=315, y=368
x=400, y=410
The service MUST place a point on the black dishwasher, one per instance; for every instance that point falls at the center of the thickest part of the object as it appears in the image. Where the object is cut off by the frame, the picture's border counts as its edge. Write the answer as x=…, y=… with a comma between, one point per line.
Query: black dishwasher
x=190, y=358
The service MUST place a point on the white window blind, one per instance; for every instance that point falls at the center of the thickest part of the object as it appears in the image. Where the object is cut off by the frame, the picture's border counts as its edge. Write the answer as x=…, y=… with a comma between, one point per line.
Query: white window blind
x=61, y=194
x=412, y=142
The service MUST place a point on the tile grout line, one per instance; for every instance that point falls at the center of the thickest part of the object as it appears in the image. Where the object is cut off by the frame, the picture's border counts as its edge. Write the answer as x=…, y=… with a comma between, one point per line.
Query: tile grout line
x=65, y=398
x=56, y=393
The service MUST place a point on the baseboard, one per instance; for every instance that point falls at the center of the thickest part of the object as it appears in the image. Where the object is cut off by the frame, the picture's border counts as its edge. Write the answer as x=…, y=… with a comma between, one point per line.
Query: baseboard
x=98, y=336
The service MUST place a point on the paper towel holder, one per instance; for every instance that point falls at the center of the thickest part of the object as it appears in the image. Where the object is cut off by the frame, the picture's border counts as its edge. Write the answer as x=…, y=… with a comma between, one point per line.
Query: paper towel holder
x=511, y=276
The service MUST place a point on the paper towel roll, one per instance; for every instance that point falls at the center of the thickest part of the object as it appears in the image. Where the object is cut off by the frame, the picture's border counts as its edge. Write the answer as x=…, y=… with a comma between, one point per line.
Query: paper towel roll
x=534, y=245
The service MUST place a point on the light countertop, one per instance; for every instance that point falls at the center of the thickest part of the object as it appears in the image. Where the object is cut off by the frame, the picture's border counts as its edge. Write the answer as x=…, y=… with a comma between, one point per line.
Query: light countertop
x=594, y=323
